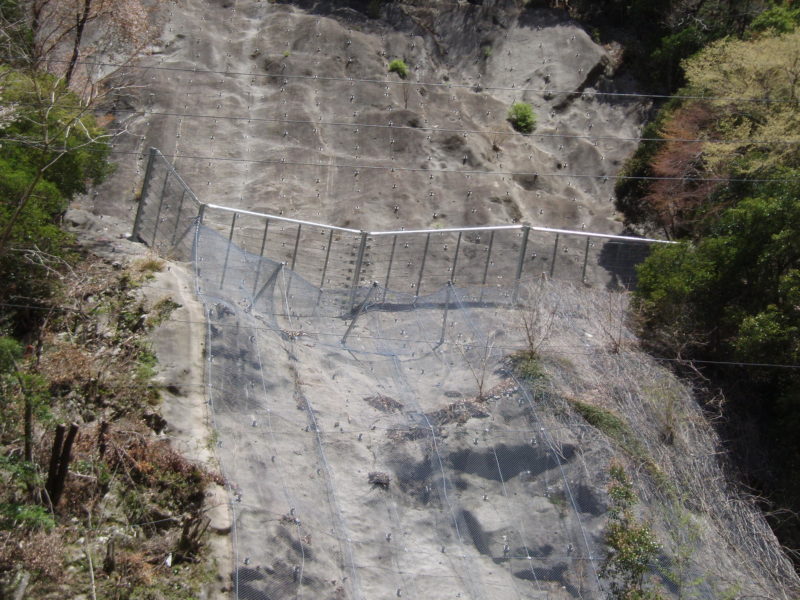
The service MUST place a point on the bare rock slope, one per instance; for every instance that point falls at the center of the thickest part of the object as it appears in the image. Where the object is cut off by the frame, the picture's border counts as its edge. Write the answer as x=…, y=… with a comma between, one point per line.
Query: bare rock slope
x=409, y=462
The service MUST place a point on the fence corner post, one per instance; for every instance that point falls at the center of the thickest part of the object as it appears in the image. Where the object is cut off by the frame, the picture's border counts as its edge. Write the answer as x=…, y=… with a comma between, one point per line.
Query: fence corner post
x=148, y=174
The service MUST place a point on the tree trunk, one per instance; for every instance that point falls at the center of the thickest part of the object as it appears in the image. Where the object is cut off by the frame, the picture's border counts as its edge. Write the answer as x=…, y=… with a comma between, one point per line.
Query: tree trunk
x=76, y=48
x=59, y=463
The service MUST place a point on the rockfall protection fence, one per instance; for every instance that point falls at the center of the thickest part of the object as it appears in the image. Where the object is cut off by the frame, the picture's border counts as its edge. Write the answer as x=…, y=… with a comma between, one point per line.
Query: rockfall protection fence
x=374, y=441
x=413, y=262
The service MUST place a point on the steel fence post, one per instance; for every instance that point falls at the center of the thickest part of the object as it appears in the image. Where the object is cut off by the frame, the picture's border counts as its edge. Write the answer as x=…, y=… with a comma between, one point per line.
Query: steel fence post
x=160, y=205
x=261, y=255
x=325, y=267
x=178, y=218
x=228, y=250
x=294, y=259
x=448, y=285
x=148, y=173
x=389, y=267
x=585, y=259
x=526, y=229
x=358, y=312
x=486, y=266
x=422, y=265
x=455, y=259
x=555, y=254
x=357, y=268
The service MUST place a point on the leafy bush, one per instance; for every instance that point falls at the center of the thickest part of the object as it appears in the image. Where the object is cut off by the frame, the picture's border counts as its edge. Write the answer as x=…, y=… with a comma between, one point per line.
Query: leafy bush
x=778, y=19
x=522, y=117
x=400, y=67
x=632, y=545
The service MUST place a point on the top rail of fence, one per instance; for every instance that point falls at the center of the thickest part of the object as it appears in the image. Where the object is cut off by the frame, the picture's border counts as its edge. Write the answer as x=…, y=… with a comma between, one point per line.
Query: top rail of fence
x=609, y=236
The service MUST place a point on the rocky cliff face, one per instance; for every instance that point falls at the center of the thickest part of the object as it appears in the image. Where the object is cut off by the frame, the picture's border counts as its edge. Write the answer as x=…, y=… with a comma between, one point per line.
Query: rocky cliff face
x=291, y=110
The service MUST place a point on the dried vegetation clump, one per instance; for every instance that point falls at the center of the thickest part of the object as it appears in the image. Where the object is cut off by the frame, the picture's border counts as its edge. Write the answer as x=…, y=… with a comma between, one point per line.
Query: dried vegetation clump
x=589, y=371
x=102, y=505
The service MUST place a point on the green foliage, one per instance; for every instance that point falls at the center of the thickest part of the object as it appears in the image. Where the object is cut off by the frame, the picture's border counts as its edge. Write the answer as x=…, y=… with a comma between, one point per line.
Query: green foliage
x=51, y=150
x=602, y=419
x=10, y=353
x=400, y=67
x=486, y=51
x=741, y=281
x=26, y=516
x=659, y=34
x=527, y=365
x=632, y=545
x=734, y=295
x=522, y=117
x=161, y=311
x=781, y=18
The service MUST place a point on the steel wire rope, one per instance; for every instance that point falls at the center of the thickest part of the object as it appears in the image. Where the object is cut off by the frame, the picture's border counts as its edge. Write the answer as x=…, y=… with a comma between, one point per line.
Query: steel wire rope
x=551, y=444
x=443, y=374
x=358, y=167
x=435, y=129
x=342, y=524
x=369, y=373
x=291, y=501
x=444, y=84
x=210, y=405
x=522, y=535
x=555, y=350
x=402, y=382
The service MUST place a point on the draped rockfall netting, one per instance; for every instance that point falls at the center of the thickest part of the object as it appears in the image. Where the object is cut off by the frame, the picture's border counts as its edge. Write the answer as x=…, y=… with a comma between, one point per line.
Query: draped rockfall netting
x=379, y=439
x=387, y=454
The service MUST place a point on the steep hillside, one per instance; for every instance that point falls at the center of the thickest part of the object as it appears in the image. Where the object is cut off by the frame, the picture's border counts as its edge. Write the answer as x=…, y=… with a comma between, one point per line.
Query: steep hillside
x=416, y=458
x=277, y=109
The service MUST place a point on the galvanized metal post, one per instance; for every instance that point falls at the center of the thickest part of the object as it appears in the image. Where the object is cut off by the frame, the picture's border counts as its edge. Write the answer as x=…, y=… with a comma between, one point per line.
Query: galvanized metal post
x=294, y=259
x=325, y=264
x=389, y=268
x=422, y=266
x=160, y=205
x=358, y=312
x=555, y=253
x=520, y=261
x=148, y=173
x=486, y=266
x=178, y=218
x=261, y=255
x=455, y=259
x=446, y=307
x=585, y=259
x=357, y=269
x=228, y=250
x=325, y=267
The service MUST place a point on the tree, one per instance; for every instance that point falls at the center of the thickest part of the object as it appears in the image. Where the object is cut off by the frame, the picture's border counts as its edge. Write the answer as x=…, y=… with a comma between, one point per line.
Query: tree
x=672, y=202
x=765, y=70
x=51, y=150
x=720, y=136
x=117, y=29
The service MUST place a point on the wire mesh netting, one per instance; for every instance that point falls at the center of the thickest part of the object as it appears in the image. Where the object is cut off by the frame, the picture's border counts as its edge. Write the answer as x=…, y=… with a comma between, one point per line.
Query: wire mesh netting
x=377, y=439
x=398, y=462
x=416, y=262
